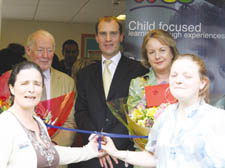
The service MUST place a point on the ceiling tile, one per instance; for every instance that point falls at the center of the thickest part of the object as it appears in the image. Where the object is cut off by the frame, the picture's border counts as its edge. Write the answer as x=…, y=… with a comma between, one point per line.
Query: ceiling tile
x=18, y=9
x=92, y=11
x=58, y=10
x=79, y=11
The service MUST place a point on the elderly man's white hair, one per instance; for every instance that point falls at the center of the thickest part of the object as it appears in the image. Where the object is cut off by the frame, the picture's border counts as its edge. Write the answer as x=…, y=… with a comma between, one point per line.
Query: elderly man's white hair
x=32, y=37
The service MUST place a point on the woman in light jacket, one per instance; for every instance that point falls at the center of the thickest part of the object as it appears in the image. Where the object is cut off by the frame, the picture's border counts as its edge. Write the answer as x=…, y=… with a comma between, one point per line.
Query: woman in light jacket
x=24, y=138
x=158, y=52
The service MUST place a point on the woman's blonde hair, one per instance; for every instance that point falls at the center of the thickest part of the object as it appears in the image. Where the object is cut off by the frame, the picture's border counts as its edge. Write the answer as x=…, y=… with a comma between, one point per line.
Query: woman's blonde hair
x=204, y=92
x=164, y=38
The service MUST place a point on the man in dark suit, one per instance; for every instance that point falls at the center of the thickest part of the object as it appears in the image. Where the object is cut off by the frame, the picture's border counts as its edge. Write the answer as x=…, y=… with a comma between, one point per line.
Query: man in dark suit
x=91, y=109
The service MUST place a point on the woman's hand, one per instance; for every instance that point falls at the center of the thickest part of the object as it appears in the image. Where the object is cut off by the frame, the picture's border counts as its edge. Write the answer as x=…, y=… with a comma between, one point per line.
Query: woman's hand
x=108, y=146
x=104, y=158
x=93, y=142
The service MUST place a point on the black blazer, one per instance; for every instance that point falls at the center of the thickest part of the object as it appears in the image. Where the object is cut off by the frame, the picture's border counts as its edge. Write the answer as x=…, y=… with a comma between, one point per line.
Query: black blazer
x=91, y=111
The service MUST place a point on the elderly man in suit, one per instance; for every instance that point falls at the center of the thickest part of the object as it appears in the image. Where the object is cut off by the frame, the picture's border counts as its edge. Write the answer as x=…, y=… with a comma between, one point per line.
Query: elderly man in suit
x=95, y=87
x=40, y=49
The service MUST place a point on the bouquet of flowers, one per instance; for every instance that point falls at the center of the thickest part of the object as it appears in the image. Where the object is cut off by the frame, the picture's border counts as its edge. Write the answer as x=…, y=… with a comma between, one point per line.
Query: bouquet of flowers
x=4, y=92
x=4, y=104
x=56, y=110
x=145, y=117
x=141, y=117
x=138, y=121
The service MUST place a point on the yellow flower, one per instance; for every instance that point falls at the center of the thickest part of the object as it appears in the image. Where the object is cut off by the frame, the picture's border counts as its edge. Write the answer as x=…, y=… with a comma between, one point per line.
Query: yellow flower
x=141, y=123
x=140, y=107
x=137, y=113
x=151, y=112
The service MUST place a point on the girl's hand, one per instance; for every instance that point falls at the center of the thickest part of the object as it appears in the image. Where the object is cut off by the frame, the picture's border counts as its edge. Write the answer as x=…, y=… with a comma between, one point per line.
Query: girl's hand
x=108, y=146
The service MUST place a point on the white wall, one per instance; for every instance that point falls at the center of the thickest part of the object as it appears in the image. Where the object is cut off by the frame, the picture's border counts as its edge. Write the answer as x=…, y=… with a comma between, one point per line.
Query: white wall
x=18, y=30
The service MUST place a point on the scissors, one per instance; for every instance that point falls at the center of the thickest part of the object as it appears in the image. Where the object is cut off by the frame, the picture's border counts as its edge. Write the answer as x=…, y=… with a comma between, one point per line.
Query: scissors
x=99, y=141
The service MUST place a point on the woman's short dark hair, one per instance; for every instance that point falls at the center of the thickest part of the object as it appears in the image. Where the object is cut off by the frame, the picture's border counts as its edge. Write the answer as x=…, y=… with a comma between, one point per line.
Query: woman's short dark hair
x=22, y=66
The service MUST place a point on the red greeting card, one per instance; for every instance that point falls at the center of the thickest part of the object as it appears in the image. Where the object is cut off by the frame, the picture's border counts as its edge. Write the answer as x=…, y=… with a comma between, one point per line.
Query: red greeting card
x=158, y=94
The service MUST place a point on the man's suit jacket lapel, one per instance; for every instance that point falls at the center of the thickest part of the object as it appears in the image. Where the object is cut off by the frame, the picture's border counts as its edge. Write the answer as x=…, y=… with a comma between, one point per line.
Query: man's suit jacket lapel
x=96, y=77
x=120, y=74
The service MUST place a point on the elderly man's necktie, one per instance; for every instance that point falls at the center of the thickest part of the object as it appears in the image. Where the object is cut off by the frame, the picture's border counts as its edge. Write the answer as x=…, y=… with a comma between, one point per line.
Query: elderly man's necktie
x=44, y=93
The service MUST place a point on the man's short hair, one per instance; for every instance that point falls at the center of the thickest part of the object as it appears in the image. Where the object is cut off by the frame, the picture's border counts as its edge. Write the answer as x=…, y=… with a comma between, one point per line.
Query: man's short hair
x=108, y=19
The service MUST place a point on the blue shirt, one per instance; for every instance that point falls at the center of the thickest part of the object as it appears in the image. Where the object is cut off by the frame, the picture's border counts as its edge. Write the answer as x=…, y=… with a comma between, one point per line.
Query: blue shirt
x=199, y=142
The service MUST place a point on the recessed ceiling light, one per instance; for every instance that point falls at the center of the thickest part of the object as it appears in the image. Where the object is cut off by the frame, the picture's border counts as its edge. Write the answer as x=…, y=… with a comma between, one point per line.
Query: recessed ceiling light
x=121, y=17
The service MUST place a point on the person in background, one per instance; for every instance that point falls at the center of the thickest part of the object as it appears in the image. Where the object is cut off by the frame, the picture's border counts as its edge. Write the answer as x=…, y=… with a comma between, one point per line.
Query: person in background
x=13, y=54
x=40, y=50
x=26, y=142
x=17, y=48
x=158, y=52
x=95, y=89
x=80, y=64
x=70, y=52
x=56, y=63
x=189, y=133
